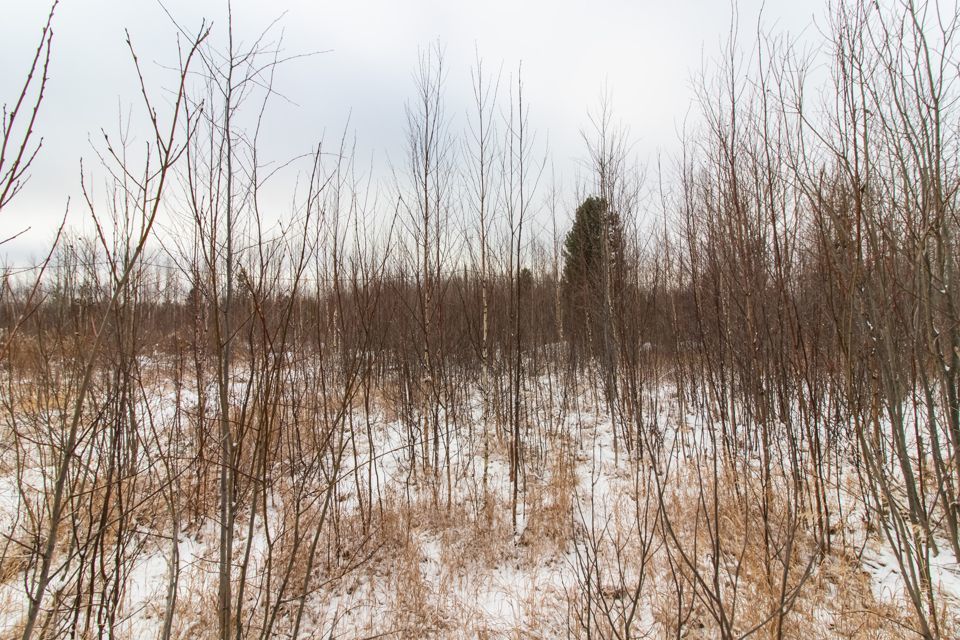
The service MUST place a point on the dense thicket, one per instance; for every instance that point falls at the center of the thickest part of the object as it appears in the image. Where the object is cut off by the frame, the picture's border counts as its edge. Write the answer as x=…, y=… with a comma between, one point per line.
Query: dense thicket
x=795, y=288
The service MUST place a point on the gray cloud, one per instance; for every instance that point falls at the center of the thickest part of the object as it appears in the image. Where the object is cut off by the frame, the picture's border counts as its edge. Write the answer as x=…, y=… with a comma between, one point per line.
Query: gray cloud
x=645, y=52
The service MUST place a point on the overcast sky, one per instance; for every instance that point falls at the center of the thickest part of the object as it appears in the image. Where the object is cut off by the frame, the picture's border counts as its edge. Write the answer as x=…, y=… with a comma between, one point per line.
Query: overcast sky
x=645, y=52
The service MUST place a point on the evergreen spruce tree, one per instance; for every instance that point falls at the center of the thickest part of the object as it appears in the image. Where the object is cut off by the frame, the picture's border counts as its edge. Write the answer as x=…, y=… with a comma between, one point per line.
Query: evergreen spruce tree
x=583, y=284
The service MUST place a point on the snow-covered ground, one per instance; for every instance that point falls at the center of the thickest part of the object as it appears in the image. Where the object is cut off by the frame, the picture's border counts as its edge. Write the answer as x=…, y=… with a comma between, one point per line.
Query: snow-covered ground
x=425, y=552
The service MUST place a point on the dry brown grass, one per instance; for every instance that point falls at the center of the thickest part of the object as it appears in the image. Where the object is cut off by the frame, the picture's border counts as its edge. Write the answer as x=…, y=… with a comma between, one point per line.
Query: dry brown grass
x=549, y=527
x=835, y=601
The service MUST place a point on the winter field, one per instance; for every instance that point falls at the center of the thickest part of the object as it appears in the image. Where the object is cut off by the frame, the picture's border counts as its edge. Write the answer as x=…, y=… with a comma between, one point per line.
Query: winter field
x=713, y=397
x=346, y=533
